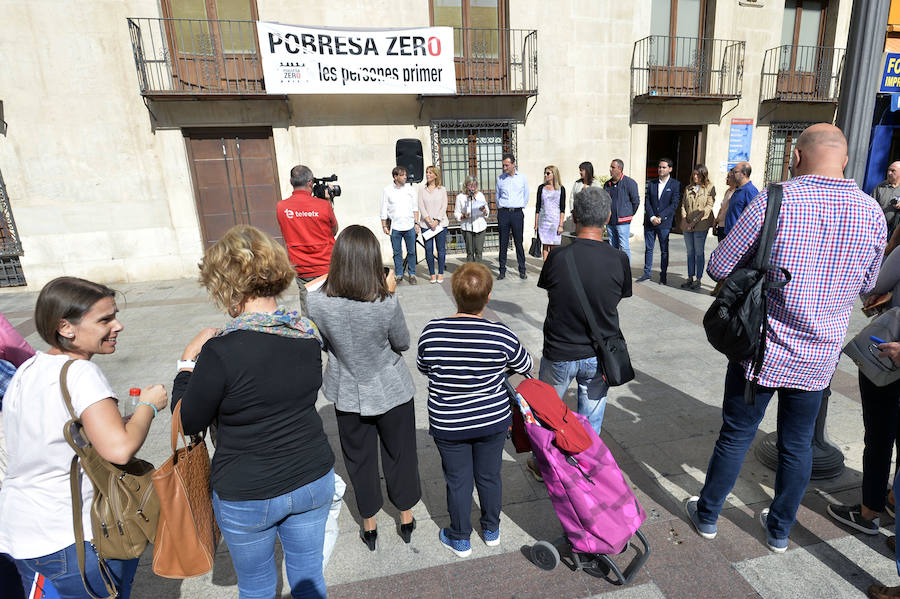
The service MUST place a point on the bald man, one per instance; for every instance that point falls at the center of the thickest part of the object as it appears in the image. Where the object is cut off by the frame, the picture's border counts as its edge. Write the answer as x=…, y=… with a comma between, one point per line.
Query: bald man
x=830, y=238
x=888, y=196
x=743, y=193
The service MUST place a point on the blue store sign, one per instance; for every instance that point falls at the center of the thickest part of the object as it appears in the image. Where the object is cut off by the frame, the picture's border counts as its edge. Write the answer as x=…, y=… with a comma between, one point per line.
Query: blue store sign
x=890, y=79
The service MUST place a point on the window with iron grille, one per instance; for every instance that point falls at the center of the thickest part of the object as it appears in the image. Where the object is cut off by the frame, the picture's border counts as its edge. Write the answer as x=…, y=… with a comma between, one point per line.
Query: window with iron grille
x=464, y=147
x=782, y=137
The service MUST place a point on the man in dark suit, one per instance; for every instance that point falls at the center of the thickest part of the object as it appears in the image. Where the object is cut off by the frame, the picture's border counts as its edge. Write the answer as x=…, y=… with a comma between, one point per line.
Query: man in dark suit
x=663, y=194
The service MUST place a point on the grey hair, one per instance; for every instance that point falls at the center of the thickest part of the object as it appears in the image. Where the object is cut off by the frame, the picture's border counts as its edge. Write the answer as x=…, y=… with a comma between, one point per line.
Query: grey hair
x=591, y=207
x=301, y=176
x=471, y=179
x=619, y=163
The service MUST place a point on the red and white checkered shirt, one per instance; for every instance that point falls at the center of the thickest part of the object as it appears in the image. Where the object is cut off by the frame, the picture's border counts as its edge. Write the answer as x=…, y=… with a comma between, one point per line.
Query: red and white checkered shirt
x=831, y=239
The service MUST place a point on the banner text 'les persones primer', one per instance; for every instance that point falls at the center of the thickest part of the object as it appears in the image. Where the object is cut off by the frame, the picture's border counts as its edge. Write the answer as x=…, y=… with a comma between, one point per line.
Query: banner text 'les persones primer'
x=312, y=60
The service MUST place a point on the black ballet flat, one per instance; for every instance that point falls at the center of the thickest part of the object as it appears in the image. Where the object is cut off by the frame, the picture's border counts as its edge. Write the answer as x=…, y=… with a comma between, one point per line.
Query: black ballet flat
x=369, y=537
x=406, y=531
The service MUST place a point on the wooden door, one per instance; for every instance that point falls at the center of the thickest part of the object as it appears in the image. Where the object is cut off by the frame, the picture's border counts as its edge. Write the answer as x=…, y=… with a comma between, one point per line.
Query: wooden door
x=235, y=180
x=481, y=42
x=804, y=70
x=213, y=44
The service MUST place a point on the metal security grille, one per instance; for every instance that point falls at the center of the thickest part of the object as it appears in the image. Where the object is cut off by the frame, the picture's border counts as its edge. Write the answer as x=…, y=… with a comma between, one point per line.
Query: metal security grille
x=782, y=137
x=11, y=274
x=462, y=148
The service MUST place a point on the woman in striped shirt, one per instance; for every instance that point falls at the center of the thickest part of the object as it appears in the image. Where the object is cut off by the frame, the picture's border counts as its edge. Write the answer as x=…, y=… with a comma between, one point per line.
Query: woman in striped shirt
x=466, y=358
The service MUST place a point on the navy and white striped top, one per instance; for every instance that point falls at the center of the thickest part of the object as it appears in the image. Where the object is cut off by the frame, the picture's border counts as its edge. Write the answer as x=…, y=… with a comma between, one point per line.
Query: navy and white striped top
x=465, y=359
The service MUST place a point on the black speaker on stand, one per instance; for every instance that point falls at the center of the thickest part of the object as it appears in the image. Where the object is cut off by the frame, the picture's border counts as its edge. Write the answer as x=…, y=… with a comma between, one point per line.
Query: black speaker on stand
x=409, y=156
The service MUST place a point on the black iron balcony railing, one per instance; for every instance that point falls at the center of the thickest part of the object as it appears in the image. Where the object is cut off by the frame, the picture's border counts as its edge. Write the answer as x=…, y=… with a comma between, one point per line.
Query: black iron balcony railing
x=495, y=61
x=687, y=67
x=194, y=57
x=802, y=74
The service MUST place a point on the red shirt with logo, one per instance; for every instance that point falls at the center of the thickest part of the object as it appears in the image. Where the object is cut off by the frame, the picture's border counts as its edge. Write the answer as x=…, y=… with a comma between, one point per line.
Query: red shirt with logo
x=307, y=224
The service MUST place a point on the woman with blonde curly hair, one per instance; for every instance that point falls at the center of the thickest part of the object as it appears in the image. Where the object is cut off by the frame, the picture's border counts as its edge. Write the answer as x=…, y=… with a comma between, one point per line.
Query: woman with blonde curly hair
x=258, y=378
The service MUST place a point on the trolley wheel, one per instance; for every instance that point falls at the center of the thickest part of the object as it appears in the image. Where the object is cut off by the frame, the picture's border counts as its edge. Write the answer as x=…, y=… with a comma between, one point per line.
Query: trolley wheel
x=597, y=567
x=544, y=555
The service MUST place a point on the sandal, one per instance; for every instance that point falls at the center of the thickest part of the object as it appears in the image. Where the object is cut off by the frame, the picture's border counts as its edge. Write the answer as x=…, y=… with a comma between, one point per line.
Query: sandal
x=440, y=279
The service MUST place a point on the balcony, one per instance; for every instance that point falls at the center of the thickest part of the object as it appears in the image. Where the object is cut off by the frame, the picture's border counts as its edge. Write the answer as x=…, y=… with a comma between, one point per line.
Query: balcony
x=495, y=62
x=207, y=58
x=807, y=74
x=194, y=57
x=686, y=68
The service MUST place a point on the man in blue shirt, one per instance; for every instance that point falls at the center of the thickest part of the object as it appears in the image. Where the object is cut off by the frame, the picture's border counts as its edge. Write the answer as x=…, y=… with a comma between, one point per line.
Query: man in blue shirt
x=742, y=195
x=512, y=197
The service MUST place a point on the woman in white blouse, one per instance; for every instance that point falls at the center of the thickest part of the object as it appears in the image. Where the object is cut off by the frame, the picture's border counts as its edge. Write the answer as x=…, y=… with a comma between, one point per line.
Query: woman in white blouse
x=471, y=211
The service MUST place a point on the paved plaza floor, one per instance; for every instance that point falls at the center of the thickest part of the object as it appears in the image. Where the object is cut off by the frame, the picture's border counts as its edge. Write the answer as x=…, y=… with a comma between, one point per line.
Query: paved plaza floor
x=661, y=428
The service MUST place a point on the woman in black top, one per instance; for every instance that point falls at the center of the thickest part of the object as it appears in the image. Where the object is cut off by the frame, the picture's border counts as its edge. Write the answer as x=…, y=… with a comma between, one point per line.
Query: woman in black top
x=258, y=378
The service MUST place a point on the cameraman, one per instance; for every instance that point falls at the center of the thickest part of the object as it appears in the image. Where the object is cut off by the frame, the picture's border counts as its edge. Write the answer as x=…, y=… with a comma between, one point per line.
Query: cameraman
x=308, y=226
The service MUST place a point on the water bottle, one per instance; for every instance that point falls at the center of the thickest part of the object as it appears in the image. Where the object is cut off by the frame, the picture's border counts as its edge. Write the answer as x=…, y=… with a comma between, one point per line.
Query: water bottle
x=131, y=402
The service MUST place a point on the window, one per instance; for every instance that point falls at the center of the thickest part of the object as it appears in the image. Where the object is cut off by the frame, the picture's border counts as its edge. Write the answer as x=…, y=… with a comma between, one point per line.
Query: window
x=213, y=43
x=677, y=19
x=462, y=148
x=480, y=41
x=782, y=138
x=803, y=25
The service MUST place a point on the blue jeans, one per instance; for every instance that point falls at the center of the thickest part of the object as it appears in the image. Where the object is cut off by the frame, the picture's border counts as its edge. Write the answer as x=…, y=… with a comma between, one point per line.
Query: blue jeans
x=409, y=237
x=592, y=387
x=61, y=568
x=441, y=239
x=298, y=518
x=650, y=236
x=695, y=241
x=466, y=460
x=797, y=413
x=618, y=237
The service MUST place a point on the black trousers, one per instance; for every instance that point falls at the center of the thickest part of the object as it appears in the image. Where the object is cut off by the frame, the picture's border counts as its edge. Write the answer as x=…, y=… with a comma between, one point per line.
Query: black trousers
x=881, y=417
x=360, y=435
x=511, y=219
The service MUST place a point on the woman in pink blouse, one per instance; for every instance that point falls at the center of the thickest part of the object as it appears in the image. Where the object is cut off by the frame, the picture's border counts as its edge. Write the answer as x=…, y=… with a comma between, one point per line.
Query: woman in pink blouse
x=433, y=221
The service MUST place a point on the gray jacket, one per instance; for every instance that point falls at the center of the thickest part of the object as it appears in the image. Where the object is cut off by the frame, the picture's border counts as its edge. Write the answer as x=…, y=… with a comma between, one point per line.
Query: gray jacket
x=365, y=373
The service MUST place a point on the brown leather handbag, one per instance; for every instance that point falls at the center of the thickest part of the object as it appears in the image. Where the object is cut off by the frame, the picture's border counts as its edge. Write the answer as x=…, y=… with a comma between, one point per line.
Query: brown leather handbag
x=125, y=510
x=187, y=536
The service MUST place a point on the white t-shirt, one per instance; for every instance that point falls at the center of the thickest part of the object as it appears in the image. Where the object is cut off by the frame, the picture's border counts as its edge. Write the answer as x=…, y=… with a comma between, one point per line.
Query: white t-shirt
x=35, y=500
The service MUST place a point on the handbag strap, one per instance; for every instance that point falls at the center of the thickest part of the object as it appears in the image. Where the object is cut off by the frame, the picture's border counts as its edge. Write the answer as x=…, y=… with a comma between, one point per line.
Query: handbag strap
x=593, y=328
x=75, y=488
x=761, y=262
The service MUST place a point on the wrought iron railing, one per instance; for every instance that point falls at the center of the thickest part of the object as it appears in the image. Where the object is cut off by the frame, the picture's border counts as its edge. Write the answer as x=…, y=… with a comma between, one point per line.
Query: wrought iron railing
x=495, y=61
x=687, y=67
x=802, y=74
x=215, y=57
x=196, y=56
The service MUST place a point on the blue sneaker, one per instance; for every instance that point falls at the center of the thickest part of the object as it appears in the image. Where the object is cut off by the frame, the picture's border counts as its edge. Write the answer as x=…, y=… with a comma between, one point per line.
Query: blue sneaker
x=776, y=545
x=707, y=531
x=491, y=537
x=461, y=547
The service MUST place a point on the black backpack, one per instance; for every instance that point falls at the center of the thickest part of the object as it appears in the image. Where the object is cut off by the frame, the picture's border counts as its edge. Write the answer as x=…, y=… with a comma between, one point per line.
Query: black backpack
x=736, y=323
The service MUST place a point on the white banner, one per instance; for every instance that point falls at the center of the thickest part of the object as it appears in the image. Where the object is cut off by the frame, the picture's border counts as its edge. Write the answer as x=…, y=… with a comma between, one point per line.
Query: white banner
x=317, y=60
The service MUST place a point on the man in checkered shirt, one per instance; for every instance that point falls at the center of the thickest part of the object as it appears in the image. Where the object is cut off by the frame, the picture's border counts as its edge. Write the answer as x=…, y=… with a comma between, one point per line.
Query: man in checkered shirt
x=831, y=239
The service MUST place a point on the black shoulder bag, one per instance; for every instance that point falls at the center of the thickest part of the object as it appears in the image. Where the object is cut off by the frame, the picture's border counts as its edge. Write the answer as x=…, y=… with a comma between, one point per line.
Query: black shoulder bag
x=612, y=352
x=736, y=322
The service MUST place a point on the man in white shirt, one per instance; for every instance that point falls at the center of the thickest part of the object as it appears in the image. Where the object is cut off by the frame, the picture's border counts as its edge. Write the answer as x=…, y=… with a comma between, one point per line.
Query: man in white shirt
x=400, y=206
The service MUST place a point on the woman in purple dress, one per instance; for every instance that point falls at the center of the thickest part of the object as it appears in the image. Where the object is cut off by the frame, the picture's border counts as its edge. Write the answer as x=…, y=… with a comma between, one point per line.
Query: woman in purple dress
x=550, y=210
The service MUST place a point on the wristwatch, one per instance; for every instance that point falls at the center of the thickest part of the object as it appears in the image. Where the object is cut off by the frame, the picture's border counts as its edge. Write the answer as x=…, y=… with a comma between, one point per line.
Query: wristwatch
x=182, y=364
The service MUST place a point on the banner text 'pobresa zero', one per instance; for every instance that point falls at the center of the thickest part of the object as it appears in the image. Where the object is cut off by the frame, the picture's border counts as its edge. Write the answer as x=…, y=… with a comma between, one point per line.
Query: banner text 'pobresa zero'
x=314, y=60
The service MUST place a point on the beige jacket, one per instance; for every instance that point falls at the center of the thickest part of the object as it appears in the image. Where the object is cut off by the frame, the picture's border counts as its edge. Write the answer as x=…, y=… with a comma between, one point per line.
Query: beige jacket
x=697, y=207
